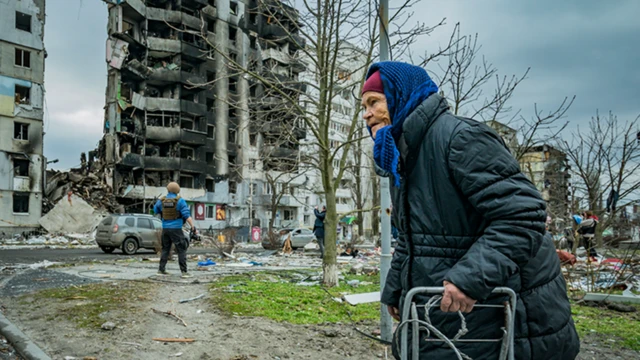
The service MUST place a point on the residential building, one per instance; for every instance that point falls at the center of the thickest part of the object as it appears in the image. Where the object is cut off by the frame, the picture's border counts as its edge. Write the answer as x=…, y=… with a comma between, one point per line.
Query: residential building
x=508, y=134
x=345, y=105
x=22, y=164
x=548, y=169
x=176, y=110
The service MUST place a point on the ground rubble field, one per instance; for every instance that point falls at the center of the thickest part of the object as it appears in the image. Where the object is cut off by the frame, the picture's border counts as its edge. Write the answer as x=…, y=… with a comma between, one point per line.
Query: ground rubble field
x=68, y=327
x=64, y=308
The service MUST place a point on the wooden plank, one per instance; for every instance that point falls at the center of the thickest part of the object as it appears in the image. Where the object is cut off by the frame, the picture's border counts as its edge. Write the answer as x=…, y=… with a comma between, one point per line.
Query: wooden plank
x=174, y=340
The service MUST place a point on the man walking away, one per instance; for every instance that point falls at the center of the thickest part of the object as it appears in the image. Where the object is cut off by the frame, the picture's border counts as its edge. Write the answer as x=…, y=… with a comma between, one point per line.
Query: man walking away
x=174, y=212
x=318, y=227
x=587, y=229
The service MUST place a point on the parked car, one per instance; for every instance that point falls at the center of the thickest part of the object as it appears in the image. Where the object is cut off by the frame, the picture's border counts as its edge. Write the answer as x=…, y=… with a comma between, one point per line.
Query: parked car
x=128, y=232
x=299, y=238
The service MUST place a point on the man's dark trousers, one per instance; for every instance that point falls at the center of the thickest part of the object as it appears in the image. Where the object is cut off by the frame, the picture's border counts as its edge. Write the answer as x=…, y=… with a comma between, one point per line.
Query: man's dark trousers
x=174, y=236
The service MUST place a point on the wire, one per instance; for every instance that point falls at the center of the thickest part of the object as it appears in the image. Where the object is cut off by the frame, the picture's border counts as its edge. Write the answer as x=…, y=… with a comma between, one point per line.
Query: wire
x=353, y=323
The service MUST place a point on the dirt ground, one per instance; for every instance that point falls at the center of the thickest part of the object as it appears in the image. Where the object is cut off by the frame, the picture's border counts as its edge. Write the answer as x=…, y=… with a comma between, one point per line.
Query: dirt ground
x=217, y=336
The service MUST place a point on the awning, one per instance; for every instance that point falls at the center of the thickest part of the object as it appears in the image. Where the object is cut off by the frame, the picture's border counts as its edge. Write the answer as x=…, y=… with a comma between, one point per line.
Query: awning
x=348, y=220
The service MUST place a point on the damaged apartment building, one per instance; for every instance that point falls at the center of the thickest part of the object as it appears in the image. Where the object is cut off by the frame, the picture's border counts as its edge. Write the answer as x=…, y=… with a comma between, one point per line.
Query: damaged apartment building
x=177, y=111
x=22, y=163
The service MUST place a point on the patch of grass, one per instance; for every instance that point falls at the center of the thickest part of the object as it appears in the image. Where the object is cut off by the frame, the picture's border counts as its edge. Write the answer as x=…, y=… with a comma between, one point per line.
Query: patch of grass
x=83, y=305
x=624, y=328
x=278, y=298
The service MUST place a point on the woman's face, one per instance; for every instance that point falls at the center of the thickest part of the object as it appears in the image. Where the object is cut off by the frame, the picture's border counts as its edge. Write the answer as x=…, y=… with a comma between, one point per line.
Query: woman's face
x=375, y=111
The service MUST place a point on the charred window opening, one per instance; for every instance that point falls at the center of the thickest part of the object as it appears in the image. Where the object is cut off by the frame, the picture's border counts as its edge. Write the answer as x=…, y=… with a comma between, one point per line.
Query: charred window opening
x=20, y=131
x=211, y=77
x=20, y=203
x=232, y=34
x=212, y=3
x=232, y=113
x=23, y=58
x=233, y=57
x=23, y=21
x=232, y=187
x=232, y=160
x=162, y=4
x=128, y=28
x=253, y=90
x=253, y=139
x=211, y=26
x=210, y=185
x=187, y=124
x=210, y=104
x=186, y=181
x=186, y=153
x=253, y=18
x=232, y=136
x=209, y=158
x=233, y=8
x=211, y=131
x=162, y=119
x=161, y=30
x=20, y=167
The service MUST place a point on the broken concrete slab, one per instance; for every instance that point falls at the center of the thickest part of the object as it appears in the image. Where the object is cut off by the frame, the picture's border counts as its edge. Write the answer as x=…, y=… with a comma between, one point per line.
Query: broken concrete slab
x=365, y=298
x=614, y=298
x=71, y=215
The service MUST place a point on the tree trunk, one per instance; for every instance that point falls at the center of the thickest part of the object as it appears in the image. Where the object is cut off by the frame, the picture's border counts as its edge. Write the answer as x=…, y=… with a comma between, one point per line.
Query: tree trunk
x=329, y=263
x=375, y=214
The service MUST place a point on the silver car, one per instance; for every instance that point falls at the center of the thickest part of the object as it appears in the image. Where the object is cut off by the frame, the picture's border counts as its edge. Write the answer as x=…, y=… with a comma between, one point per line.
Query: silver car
x=129, y=232
x=299, y=238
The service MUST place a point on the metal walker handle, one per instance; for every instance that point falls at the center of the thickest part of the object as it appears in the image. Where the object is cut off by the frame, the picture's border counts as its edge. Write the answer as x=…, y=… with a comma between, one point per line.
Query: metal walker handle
x=409, y=308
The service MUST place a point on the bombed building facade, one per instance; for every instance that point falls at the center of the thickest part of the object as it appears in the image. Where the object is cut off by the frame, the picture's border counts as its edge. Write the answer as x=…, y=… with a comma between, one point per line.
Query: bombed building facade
x=22, y=163
x=177, y=111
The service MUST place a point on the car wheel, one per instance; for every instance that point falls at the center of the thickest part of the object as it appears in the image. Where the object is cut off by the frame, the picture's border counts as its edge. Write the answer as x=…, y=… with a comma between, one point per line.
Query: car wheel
x=107, y=249
x=130, y=246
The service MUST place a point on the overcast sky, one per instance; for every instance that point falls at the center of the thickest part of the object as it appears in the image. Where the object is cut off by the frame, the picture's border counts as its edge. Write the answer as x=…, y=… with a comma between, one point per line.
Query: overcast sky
x=574, y=47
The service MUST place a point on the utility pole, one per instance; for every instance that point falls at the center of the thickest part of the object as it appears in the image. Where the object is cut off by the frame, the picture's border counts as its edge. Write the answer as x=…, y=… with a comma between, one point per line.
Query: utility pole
x=386, y=324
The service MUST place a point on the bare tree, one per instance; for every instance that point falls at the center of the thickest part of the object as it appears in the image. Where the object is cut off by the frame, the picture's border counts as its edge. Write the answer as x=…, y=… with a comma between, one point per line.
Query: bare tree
x=606, y=162
x=466, y=81
x=335, y=40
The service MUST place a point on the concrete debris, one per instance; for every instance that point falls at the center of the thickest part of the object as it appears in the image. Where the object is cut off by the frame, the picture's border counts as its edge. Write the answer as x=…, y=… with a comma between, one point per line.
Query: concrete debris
x=621, y=307
x=108, y=326
x=362, y=298
x=71, y=215
x=357, y=269
x=612, y=298
x=42, y=264
x=86, y=182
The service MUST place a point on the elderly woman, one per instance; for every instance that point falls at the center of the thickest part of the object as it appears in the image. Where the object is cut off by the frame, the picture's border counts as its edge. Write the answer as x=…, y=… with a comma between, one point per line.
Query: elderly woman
x=468, y=220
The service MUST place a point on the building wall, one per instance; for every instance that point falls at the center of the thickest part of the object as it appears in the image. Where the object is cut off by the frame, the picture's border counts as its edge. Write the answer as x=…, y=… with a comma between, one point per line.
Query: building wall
x=27, y=185
x=8, y=32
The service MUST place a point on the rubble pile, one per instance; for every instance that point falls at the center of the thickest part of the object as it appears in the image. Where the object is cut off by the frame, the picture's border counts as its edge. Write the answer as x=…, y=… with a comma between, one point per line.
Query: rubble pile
x=84, y=183
x=51, y=240
x=604, y=274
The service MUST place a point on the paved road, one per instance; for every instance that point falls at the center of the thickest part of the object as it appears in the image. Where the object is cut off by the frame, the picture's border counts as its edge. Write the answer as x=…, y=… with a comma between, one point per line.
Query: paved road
x=29, y=256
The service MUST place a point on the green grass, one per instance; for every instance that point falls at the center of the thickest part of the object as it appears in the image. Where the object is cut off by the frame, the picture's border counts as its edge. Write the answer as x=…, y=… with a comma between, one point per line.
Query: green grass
x=276, y=296
x=83, y=305
x=624, y=328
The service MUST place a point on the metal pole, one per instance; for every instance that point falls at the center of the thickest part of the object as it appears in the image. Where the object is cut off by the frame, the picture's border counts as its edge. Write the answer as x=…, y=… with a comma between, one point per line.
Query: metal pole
x=386, y=323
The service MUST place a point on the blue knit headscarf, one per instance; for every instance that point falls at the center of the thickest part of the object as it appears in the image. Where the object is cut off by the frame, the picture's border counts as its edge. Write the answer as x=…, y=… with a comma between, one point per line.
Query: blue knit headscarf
x=405, y=86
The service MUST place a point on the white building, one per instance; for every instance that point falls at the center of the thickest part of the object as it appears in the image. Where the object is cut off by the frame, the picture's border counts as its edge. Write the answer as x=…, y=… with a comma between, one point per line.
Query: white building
x=22, y=164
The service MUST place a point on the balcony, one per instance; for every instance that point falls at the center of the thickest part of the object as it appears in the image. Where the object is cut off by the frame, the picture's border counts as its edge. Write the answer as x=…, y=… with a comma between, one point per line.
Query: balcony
x=164, y=76
x=175, y=134
x=192, y=108
x=279, y=152
x=265, y=200
x=172, y=16
x=161, y=163
x=159, y=47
